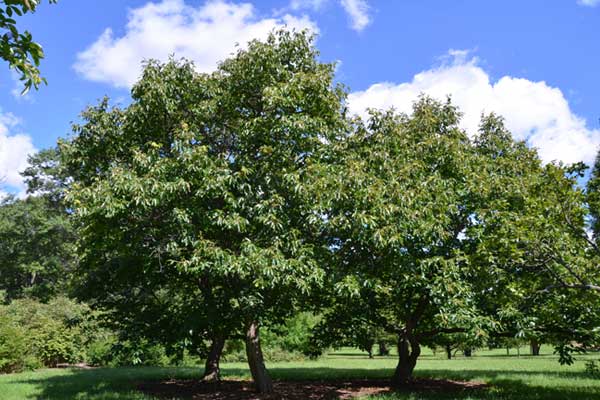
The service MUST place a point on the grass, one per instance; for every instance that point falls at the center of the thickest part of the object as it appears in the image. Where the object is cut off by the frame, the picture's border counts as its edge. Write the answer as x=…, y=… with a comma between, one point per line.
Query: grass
x=525, y=377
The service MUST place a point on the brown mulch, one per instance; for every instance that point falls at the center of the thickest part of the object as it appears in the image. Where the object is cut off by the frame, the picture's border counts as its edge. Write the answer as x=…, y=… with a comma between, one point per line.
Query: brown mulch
x=295, y=390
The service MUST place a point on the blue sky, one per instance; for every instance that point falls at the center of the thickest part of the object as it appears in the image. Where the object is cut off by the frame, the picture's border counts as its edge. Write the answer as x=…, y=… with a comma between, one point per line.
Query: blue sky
x=535, y=62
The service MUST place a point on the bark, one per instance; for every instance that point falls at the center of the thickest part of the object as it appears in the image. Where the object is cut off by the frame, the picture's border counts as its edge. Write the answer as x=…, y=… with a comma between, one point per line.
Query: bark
x=535, y=347
x=408, y=347
x=408, y=353
x=449, y=351
x=212, y=370
x=260, y=375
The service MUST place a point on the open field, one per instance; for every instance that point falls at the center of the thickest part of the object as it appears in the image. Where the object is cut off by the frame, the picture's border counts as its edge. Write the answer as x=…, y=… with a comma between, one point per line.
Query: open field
x=508, y=377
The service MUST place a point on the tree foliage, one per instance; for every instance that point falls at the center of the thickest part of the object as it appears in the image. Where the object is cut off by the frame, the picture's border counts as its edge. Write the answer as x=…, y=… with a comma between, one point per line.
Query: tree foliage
x=192, y=199
x=18, y=48
x=433, y=233
x=218, y=203
x=37, y=253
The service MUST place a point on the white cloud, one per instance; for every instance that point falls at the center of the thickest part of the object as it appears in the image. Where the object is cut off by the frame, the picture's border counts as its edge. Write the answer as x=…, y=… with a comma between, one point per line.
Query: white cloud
x=358, y=10
x=14, y=150
x=205, y=34
x=304, y=4
x=589, y=3
x=533, y=111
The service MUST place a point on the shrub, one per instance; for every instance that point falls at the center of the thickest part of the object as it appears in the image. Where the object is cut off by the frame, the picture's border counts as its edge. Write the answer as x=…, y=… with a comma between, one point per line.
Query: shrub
x=14, y=349
x=99, y=352
x=34, y=334
x=139, y=352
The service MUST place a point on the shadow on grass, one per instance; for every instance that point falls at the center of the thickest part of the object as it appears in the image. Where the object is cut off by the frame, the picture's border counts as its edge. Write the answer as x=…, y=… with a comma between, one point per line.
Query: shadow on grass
x=120, y=383
x=504, y=384
x=104, y=383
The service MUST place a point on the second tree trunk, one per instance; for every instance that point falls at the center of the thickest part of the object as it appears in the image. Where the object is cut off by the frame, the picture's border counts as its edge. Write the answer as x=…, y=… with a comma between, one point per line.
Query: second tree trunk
x=256, y=362
x=212, y=370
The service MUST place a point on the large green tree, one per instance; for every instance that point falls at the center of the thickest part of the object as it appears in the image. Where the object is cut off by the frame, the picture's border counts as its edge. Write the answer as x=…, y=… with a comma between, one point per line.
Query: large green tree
x=433, y=234
x=196, y=191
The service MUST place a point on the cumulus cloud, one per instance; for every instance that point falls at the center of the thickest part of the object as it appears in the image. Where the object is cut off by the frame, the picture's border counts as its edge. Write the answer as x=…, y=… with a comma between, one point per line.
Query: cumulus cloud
x=357, y=10
x=14, y=150
x=533, y=111
x=589, y=3
x=205, y=34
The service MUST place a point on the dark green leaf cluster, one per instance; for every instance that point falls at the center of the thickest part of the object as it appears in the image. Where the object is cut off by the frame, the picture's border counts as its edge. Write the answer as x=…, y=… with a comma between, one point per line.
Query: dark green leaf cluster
x=37, y=251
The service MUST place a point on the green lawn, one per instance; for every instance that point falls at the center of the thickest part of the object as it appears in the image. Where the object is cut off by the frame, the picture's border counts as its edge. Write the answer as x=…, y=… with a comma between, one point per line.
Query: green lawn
x=510, y=377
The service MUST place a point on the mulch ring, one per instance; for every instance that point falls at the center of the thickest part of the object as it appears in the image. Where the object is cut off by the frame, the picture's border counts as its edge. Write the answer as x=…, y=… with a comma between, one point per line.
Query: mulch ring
x=295, y=390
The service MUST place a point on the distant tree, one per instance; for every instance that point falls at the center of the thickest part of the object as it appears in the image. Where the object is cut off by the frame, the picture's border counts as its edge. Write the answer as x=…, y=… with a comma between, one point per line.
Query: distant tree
x=193, y=198
x=47, y=176
x=37, y=253
x=18, y=48
x=593, y=199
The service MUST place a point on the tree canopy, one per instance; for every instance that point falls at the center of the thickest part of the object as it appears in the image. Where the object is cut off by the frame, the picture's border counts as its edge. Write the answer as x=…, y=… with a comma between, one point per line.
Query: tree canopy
x=218, y=203
x=196, y=190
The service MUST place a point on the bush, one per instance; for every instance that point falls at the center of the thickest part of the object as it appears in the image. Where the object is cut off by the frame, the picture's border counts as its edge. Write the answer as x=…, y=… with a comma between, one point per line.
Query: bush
x=14, y=349
x=290, y=341
x=139, y=352
x=99, y=352
x=34, y=334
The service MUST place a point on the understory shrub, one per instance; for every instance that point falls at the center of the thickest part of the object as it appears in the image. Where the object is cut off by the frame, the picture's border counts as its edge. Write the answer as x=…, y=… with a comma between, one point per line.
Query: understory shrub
x=35, y=334
x=290, y=341
x=13, y=345
x=139, y=353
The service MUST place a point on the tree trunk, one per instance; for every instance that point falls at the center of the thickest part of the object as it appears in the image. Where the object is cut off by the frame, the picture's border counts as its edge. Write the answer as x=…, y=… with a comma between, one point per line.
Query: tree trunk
x=535, y=347
x=449, y=351
x=467, y=352
x=383, y=350
x=212, y=371
x=260, y=375
x=408, y=353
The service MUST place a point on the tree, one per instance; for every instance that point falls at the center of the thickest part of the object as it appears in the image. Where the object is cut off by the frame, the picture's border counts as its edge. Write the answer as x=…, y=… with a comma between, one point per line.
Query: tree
x=432, y=233
x=36, y=251
x=18, y=48
x=547, y=246
x=47, y=176
x=196, y=193
x=593, y=199
x=401, y=199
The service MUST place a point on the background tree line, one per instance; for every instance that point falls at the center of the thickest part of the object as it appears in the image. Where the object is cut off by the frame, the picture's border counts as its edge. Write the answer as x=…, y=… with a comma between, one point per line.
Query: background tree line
x=218, y=205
